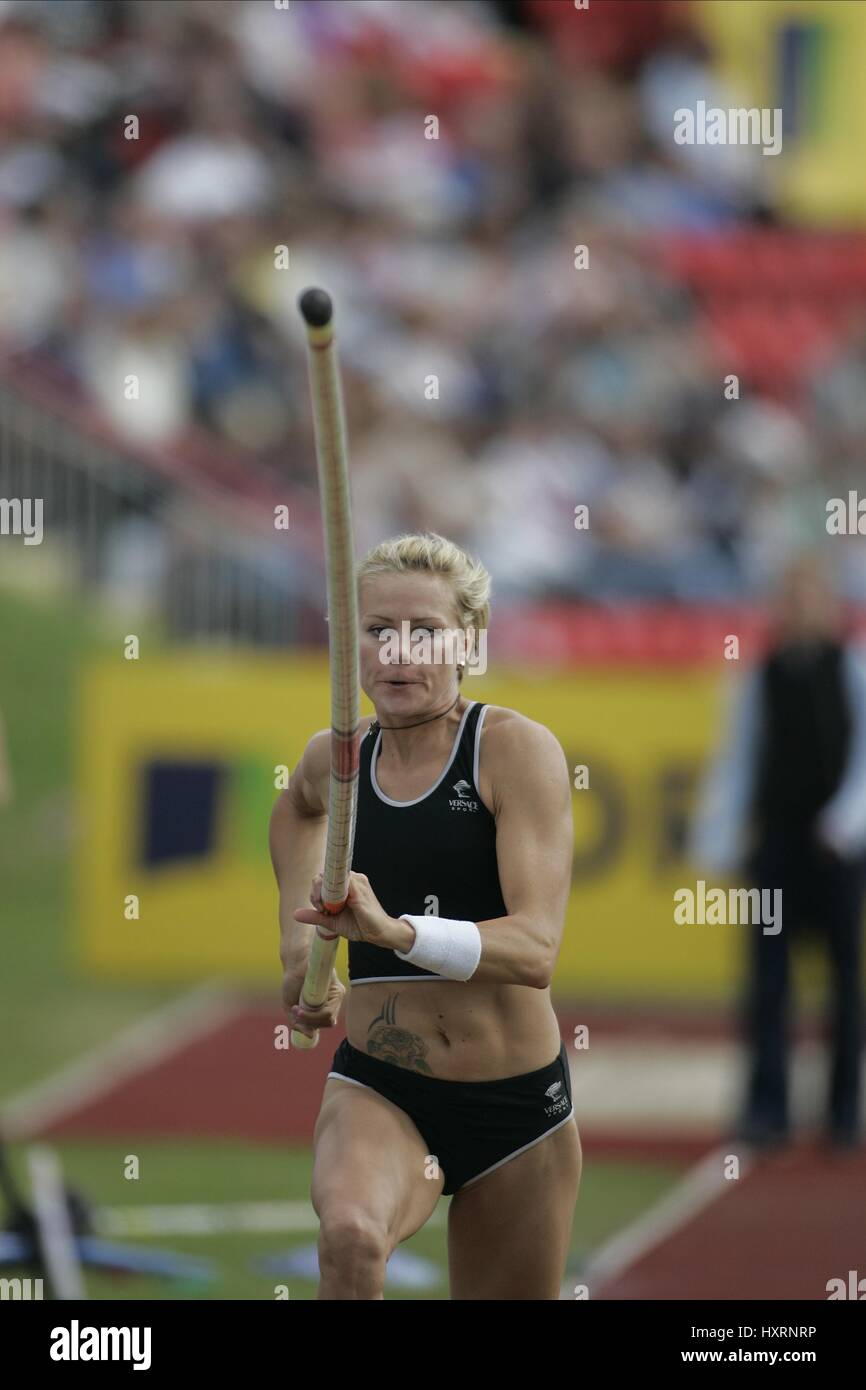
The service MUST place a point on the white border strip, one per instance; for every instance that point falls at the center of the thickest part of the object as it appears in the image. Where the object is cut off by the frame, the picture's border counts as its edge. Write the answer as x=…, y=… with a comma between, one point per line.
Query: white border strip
x=404, y=979
x=477, y=753
x=442, y=775
x=508, y=1157
x=697, y=1190
x=146, y=1042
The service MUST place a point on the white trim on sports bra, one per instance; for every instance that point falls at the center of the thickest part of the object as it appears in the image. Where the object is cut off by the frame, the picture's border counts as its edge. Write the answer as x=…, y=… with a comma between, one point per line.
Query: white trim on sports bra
x=478, y=748
x=399, y=979
x=414, y=802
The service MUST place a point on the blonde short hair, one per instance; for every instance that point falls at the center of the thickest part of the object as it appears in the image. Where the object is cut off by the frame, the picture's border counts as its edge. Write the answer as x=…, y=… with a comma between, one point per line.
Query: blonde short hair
x=430, y=553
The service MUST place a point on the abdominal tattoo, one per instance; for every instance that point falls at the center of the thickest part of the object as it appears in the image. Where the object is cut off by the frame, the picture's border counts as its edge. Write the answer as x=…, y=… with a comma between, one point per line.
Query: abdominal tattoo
x=392, y=1044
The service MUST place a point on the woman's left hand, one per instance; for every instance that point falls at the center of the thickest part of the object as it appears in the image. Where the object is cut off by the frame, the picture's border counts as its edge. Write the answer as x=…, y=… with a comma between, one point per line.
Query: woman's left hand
x=362, y=919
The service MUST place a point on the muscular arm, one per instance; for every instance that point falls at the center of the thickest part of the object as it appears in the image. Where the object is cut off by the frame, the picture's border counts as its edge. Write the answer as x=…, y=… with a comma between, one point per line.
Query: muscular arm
x=298, y=829
x=534, y=848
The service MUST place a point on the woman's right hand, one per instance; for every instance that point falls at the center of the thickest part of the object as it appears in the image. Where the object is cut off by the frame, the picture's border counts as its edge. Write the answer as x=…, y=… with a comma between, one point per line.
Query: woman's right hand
x=310, y=1020
x=304, y=1019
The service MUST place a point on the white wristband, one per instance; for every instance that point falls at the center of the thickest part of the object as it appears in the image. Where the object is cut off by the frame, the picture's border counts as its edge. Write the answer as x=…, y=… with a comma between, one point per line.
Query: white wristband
x=444, y=945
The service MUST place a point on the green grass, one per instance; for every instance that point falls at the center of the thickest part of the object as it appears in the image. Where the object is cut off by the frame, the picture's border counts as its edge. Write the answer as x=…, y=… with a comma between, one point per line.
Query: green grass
x=612, y=1194
x=48, y=1012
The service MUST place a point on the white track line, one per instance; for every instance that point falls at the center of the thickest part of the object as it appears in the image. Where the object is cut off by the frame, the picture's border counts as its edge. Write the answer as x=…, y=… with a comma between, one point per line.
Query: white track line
x=212, y=1218
x=204, y=1219
x=55, y=1241
x=703, y=1185
x=146, y=1042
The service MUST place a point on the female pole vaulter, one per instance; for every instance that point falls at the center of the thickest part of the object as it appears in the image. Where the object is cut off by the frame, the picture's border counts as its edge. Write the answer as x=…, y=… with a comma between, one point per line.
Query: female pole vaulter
x=453, y=1078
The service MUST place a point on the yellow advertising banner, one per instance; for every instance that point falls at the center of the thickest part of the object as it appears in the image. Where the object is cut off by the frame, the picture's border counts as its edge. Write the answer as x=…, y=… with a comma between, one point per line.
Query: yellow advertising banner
x=177, y=766
x=804, y=58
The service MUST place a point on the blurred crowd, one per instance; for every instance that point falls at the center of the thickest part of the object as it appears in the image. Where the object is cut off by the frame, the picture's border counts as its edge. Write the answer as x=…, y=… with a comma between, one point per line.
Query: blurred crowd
x=435, y=165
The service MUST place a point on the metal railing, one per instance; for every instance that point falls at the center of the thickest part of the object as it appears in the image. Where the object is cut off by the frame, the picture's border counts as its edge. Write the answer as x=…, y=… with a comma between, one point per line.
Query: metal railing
x=130, y=526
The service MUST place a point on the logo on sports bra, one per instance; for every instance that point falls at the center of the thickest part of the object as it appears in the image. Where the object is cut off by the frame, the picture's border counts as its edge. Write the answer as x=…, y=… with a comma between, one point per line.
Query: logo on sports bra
x=464, y=800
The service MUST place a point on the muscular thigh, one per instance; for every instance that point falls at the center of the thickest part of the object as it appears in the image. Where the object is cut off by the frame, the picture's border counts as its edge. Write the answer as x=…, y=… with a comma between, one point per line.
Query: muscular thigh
x=509, y=1233
x=369, y=1157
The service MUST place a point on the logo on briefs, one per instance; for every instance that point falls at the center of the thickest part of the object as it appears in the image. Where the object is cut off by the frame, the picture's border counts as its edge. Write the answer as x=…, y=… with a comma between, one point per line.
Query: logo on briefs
x=464, y=800
x=559, y=1099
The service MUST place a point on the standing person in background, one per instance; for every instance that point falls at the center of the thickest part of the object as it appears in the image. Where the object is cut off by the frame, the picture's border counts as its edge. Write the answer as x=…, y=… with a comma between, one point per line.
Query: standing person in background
x=785, y=804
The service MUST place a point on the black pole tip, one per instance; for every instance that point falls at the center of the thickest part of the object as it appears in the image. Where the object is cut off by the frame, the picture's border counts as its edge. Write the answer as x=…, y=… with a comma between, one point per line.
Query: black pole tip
x=316, y=307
